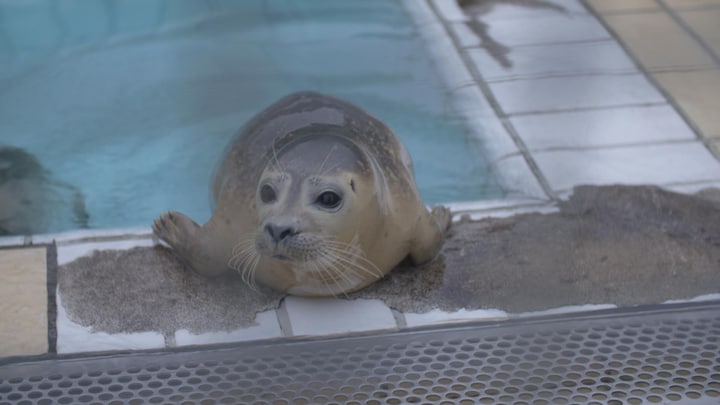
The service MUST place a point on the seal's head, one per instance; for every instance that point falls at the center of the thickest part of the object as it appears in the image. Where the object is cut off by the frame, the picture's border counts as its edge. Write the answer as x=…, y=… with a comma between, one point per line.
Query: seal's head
x=307, y=199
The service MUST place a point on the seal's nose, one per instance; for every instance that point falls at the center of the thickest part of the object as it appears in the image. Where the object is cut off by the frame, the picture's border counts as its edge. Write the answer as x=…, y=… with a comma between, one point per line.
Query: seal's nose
x=279, y=231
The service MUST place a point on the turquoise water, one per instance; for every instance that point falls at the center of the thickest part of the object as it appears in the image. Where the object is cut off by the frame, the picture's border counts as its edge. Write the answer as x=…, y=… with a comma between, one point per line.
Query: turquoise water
x=132, y=102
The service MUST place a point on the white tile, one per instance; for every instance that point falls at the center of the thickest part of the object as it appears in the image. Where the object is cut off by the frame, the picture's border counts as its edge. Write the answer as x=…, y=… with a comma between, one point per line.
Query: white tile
x=565, y=59
x=267, y=327
x=12, y=240
x=692, y=188
x=570, y=93
x=545, y=29
x=593, y=128
x=74, y=338
x=68, y=253
x=437, y=317
x=80, y=234
x=509, y=212
x=449, y=10
x=699, y=298
x=565, y=310
x=328, y=316
x=493, y=205
x=517, y=179
x=648, y=164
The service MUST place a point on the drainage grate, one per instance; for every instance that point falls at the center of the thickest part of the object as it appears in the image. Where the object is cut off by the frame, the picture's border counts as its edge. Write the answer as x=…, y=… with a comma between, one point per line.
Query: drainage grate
x=671, y=354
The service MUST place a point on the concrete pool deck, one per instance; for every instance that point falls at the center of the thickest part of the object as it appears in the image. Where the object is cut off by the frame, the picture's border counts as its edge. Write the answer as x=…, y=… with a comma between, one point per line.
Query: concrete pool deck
x=582, y=95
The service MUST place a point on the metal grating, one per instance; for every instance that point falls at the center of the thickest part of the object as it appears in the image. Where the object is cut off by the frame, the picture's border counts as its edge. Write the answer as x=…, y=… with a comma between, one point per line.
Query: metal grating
x=666, y=355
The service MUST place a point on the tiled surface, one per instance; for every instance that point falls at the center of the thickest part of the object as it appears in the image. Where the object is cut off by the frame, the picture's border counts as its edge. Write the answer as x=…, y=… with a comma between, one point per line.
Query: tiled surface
x=570, y=93
x=690, y=4
x=23, y=302
x=75, y=338
x=328, y=316
x=644, y=32
x=266, y=327
x=545, y=29
x=605, y=127
x=12, y=241
x=609, y=6
x=678, y=44
x=437, y=316
x=706, y=23
x=697, y=93
x=648, y=164
x=565, y=59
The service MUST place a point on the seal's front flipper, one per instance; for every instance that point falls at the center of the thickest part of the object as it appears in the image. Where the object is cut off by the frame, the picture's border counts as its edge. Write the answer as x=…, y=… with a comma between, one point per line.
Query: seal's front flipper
x=188, y=241
x=442, y=217
x=176, y=230
x=430, y=234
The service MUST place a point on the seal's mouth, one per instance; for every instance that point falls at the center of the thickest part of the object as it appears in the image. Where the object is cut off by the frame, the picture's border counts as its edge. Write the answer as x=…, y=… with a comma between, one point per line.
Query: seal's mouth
x=280, y=257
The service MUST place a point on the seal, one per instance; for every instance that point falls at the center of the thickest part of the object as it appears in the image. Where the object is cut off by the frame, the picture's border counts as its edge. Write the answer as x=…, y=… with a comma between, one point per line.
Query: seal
x=314, y=197
x=32, y=201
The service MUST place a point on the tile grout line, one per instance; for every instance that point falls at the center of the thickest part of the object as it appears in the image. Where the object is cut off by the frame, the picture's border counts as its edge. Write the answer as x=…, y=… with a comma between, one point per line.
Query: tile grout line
x=490, y=97
x=584, y=109
x=650, y=77
x=556, y=75
x=559, y=44
x=51, y=268
x=688, y=30
x=616, y=146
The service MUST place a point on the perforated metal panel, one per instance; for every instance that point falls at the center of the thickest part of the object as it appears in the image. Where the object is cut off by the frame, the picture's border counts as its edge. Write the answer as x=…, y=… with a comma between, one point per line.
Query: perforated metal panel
x=667, y=356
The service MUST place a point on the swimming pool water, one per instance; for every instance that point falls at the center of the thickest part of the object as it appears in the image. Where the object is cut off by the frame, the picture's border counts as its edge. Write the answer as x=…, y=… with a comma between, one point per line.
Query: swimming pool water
x=133, y=102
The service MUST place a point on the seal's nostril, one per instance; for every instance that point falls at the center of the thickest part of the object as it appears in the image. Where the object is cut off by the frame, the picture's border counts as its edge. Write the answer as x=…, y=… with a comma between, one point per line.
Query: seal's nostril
x=279, y=232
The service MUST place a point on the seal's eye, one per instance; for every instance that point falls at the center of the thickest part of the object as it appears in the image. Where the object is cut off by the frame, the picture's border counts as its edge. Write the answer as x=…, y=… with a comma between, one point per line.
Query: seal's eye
x=267, y=194
x=328, y=199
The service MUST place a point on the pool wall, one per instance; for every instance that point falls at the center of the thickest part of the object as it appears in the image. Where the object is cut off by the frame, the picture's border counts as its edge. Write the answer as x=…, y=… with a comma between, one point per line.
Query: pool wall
x=467, y=98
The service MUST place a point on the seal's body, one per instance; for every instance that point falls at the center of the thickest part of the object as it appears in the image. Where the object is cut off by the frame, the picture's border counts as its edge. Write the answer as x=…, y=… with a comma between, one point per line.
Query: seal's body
x=314, y=197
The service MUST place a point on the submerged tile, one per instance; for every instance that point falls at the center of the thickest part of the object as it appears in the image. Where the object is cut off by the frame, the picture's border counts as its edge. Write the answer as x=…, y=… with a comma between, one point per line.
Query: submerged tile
x=545, y=29
x=329, y=316
x=514, y=10
x=648, y=164
x=698, y=94
x=607, y=127
x=657, y=41
x=569, y=93
x=75, y=338
x=267, y=328
x=23, y=302
x=544, y=60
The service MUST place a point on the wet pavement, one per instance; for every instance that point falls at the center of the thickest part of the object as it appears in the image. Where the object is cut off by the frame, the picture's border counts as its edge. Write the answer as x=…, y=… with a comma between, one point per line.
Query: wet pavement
x=620, y=245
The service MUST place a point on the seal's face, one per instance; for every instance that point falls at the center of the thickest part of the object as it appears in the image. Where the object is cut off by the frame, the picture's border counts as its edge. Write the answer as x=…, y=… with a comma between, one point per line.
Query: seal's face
x=305, y=202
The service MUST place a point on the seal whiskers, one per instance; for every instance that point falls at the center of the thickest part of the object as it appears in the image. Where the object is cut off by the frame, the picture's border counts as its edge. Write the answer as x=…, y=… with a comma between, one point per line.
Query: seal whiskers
x=244, y=260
